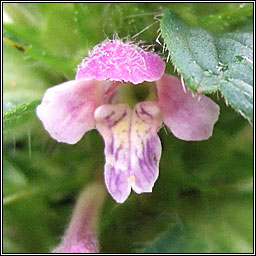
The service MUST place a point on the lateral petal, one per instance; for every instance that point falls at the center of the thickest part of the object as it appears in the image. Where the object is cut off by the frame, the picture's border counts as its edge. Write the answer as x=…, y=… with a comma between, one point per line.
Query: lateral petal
x=67, y=109
x=189, y=116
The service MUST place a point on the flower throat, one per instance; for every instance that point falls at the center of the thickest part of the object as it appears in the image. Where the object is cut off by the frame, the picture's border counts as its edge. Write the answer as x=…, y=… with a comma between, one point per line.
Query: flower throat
x=132, y=94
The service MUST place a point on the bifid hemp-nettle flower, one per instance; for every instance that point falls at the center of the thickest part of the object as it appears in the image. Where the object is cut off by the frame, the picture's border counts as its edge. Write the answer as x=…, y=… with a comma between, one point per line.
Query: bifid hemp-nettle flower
x=132, y=146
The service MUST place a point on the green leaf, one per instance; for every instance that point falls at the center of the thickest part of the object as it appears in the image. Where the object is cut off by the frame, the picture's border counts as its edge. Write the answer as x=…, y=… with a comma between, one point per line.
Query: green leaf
x=24, y=79
x=19, y=116
x=60, y=49
x=210, y=63
x=61, y=63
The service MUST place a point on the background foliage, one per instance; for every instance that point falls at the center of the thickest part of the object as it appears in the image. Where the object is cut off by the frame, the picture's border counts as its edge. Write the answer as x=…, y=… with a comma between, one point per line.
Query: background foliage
x=203, y=199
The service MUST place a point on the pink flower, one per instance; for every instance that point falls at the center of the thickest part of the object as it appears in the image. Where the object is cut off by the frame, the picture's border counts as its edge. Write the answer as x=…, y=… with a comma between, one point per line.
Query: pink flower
x=132, y=146
x=81, y=235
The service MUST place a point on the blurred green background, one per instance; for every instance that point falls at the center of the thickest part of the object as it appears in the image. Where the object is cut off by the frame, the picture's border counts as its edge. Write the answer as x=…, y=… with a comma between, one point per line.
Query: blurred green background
x=203, y=199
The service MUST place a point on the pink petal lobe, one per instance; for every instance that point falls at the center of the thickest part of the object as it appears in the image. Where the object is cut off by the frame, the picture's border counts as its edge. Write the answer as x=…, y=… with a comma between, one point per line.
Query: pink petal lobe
x=121, y=61
x=67, y=110
x=145, y=146
x=113, y=123
x=189, y=116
